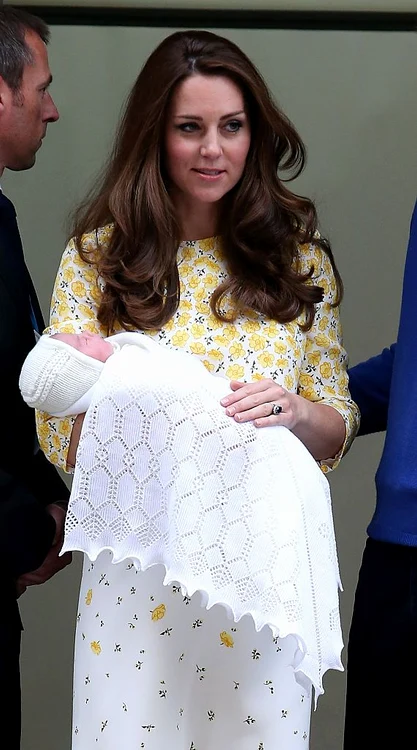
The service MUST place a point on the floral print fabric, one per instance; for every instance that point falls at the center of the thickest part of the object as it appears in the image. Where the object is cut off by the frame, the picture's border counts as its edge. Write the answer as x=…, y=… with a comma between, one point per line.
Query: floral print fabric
x=155, y=670
x=311, y=363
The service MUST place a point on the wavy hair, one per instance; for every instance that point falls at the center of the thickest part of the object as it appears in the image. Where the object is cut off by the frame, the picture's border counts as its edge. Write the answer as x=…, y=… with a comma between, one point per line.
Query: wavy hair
x=262, y=223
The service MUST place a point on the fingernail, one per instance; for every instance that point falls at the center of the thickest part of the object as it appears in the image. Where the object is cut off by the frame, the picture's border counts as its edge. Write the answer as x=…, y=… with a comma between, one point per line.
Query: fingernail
x=230, y=411
x=224, y=401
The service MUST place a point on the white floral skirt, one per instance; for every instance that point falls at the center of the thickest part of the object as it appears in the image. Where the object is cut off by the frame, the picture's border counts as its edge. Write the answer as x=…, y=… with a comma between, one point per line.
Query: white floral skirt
x=156, y=670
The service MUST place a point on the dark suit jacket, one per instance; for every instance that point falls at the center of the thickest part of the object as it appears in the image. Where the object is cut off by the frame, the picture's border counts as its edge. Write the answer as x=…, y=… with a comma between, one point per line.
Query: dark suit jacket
x=28, y=482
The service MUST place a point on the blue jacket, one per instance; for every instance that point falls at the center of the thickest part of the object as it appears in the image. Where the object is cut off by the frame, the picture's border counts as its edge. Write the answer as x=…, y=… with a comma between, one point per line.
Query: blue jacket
x=385, y=389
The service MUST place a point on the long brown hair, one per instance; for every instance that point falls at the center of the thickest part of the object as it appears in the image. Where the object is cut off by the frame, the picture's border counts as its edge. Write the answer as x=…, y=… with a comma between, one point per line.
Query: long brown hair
x=261, y=230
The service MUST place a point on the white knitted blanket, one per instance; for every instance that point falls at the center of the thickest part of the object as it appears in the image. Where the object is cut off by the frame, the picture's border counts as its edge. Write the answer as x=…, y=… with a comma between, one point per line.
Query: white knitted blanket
x=241, y=514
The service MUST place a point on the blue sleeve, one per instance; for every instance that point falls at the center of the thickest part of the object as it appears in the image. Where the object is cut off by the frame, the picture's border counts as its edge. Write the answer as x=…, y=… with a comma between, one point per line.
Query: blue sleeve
x=369, y=385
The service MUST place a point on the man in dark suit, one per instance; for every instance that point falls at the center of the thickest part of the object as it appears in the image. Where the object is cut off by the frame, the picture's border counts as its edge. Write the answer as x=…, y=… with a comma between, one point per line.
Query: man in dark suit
x=32, y=495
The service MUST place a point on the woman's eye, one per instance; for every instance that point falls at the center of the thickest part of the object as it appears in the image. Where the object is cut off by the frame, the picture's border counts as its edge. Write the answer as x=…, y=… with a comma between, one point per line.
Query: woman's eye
x=233, y=126
x=188, y=127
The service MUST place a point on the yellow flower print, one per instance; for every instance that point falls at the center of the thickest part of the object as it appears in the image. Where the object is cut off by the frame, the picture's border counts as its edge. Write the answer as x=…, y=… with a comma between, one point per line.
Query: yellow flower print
x=230, y=332
x=198, y=348
x=180, y=338
x=215, y=354
x=60, y=295
x=306, y=381
x=187, y=253
x=200, y=295
x=54, y=458
x=90, y=276
x=198, y=330
x=87, y=311
x=213, y=323
x=95, y=647
x=207, y=245
x=159, y=612
x=211, y=264
x=203, y=308
x=226, y=639
x=329, y=391
x=257, y=376
x=266, y=359
x=43, y=428
x=183, y=319
x=69, y=274
x=67, y=328
x=193, y=282
x=313, y=358
x=186, y=269
x=65, y=427
x=77, y=260
x=221, y=340
x=63, y=310
x=210, y=281
x=92, y=327
x=289, y=382
x=208, y=365
x=310, y=393
x=251, y=326
x=236, y=350
x=271, y=330
x=343, y=381
x=89, y=597
x=333, y=352
x=325, y=370
x=169, y=326
x=325, y=286
x=257, y=342
x=56, y=442
x=323, y=323
x=95, y=293
x=322, y=340
x=281, y=363
x=185, y=305
x=78, y=288
x=235, y=372
x=280, y=347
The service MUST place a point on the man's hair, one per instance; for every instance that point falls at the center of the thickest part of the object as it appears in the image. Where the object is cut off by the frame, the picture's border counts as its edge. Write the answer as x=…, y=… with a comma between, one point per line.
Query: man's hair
x=14, y=50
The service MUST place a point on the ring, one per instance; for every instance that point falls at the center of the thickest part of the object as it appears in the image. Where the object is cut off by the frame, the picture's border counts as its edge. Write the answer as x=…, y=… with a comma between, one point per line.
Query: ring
x=276, y=409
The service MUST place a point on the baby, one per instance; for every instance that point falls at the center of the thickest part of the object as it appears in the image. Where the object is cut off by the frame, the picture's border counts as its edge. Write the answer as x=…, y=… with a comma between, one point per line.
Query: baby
x=62, y=369
x=59, y=374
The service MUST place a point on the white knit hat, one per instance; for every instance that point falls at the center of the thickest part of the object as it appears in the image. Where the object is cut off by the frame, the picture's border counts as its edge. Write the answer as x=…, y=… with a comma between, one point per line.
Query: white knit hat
x=55, y=375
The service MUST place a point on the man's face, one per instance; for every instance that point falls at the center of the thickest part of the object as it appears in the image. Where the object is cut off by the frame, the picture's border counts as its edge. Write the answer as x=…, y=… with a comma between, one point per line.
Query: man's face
x=24, y=115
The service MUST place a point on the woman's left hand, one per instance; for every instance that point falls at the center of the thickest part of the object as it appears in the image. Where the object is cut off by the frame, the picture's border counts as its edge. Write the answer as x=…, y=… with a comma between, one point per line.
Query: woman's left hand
x=264, y=403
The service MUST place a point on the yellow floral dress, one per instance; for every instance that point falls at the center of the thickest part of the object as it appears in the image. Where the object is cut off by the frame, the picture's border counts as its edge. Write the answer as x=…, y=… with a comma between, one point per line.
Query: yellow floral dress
x=153, y=668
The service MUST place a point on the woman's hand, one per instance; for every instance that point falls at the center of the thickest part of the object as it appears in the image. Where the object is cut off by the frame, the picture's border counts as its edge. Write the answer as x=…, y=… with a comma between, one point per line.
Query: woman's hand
x=319, y=426
x=264, y=403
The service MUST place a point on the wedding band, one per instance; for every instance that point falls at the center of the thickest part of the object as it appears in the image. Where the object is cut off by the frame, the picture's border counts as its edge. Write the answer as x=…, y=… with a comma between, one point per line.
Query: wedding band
x=276, y=409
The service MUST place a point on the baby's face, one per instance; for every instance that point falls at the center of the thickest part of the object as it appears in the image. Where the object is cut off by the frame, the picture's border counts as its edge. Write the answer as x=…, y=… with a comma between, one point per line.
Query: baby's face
x=88, y=343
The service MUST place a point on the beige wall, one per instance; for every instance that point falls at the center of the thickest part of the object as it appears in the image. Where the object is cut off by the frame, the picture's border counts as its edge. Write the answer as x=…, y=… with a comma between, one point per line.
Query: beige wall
x=352, y=97
x=310, y=5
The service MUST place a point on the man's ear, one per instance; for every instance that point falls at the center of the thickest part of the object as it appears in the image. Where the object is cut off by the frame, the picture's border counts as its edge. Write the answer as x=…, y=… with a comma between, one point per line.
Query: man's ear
x=6, y=95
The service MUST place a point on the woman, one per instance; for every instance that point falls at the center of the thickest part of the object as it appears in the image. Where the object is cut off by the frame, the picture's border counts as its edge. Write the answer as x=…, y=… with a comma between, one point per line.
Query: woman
x=193, y=237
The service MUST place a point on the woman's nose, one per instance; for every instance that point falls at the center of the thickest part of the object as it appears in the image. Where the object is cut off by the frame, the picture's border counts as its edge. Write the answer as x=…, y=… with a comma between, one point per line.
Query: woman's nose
x=211, y=147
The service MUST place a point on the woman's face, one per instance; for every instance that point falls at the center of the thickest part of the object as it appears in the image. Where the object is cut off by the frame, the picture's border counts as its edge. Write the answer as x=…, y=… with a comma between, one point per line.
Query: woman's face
x=207, y=138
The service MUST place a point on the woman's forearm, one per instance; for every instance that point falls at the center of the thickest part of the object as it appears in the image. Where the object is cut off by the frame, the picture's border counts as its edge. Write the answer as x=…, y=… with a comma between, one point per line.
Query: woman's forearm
x=322, y=430
x=74, y=440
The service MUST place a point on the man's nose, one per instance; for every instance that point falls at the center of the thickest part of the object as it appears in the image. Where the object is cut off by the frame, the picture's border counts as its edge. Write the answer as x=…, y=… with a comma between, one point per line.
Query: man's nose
x=51, y=113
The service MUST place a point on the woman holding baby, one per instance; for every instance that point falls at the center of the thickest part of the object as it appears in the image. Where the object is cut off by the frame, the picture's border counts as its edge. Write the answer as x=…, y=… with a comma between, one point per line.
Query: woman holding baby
x=194, y=238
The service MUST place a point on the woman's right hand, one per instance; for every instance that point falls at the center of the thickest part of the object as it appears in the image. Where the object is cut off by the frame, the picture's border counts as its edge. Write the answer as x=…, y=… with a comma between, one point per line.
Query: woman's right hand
x=74, y=440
